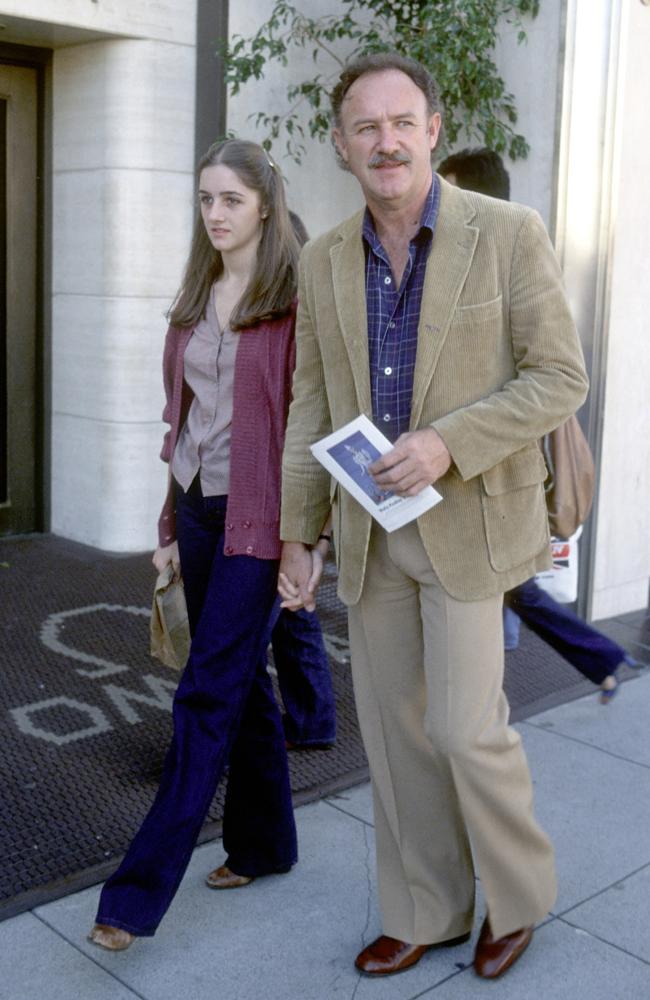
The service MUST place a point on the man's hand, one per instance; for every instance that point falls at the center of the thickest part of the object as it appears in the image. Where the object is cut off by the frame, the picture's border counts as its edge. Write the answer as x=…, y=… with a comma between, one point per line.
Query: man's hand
x=418, y=459
x=299, y=576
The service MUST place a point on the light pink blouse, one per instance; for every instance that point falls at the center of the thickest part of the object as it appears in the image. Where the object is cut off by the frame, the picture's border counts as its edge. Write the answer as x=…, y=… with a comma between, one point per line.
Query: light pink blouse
x=204, y=442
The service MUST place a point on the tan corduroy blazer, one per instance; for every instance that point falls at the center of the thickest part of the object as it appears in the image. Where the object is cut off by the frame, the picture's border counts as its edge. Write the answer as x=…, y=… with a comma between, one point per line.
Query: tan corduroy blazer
x=498, y=365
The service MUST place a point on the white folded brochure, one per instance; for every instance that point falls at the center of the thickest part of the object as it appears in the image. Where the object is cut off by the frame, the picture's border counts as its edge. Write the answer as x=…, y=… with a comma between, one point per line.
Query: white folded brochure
x=348, y=452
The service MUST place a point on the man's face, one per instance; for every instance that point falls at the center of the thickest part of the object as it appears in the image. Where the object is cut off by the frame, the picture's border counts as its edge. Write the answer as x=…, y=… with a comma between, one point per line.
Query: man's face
x=386, y=137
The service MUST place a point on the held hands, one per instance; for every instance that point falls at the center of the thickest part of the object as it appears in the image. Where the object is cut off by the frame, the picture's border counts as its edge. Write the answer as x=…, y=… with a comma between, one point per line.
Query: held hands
x=300, y=571
x=167, y=554
x=418, y=459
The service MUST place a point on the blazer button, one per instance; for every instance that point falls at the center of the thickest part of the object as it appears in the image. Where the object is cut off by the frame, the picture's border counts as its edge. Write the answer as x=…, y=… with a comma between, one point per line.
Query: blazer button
x=249, y=550
x=229, y=550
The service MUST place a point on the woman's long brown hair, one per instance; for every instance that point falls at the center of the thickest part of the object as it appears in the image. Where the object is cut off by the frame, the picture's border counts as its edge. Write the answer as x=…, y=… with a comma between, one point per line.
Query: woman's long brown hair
x=272, y=286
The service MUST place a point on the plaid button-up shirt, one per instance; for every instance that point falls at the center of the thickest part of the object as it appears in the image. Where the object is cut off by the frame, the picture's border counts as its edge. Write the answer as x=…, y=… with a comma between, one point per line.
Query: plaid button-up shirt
x=393, y=317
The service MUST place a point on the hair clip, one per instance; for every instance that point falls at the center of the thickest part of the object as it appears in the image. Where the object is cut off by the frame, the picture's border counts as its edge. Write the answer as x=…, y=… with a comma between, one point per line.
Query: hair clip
x=269, y=160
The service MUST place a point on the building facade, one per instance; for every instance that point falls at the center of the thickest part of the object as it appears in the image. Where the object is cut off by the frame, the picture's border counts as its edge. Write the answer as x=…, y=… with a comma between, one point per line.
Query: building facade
x=104, y=106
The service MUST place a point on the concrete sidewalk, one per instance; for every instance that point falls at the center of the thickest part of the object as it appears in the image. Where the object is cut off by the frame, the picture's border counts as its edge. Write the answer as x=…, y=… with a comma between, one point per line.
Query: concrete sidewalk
x=295, y=937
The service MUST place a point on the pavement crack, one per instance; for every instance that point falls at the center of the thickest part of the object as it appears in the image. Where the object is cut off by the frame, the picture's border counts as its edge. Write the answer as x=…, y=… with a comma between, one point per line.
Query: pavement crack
x=559, y=734
x=603, y=940
x=335, y=805
x=91, y=958
x=562, y=915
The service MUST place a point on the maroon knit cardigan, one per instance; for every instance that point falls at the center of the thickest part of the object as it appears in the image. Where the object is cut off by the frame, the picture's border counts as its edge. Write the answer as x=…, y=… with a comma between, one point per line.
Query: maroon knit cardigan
x=264, y=364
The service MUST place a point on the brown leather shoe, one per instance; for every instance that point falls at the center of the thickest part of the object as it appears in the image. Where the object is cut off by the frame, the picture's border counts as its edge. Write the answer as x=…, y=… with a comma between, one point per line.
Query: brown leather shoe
x=387, y=955
x=224, y=878
x=494, y=956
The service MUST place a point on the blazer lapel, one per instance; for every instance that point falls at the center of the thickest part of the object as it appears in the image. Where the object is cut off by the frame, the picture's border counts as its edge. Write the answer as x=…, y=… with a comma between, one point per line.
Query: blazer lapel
x=348, y=275
x=451, y=254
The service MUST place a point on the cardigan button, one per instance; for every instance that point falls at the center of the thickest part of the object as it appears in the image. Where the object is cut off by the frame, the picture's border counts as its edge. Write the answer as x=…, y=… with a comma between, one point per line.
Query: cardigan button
x=229, y=550
x=247, y=524
x=249, y=550
x=229, y=527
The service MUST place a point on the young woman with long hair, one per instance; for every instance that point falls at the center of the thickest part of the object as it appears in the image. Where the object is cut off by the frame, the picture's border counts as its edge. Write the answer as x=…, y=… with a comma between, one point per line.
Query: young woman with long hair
x=228, y=363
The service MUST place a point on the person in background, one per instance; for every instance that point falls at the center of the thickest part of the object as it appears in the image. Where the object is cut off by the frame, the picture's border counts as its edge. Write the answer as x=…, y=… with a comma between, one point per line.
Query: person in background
x=227, y=367
x=596, y=656
x=479, y=169
x=441, y=313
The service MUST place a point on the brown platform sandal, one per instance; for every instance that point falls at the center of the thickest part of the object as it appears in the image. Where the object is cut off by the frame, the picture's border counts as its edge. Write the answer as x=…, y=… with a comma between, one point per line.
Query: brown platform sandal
x=223, y=878
x=111, y=938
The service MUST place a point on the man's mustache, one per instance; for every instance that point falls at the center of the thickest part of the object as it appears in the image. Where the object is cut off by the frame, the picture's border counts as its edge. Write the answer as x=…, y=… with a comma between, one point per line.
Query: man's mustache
x=379, y=159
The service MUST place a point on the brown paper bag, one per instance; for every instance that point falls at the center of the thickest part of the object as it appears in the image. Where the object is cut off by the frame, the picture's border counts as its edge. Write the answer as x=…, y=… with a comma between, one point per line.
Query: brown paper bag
x=169, y=629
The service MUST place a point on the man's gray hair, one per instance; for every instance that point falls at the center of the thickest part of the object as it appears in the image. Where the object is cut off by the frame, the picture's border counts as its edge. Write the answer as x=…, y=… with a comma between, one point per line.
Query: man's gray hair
x=379, y=62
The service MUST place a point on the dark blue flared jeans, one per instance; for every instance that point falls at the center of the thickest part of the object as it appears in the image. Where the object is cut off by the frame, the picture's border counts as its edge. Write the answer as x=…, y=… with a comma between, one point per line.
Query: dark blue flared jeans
x=224, y=713
x=595, y=655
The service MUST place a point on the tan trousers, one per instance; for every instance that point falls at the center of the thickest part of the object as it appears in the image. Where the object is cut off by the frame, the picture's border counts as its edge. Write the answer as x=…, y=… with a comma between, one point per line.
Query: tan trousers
x=449, y=776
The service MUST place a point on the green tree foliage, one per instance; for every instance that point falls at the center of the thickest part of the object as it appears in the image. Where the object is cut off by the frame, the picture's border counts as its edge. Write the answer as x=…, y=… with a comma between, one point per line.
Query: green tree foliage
x=455, y=39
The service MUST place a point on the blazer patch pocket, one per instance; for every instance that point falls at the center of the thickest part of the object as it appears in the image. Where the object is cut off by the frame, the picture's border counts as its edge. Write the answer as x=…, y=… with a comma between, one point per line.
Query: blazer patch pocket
x=514, y=509
x=525, y=468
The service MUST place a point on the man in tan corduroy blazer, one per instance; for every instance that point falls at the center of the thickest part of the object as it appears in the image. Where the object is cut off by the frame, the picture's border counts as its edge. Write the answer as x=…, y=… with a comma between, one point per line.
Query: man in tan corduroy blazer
x=498, y=365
